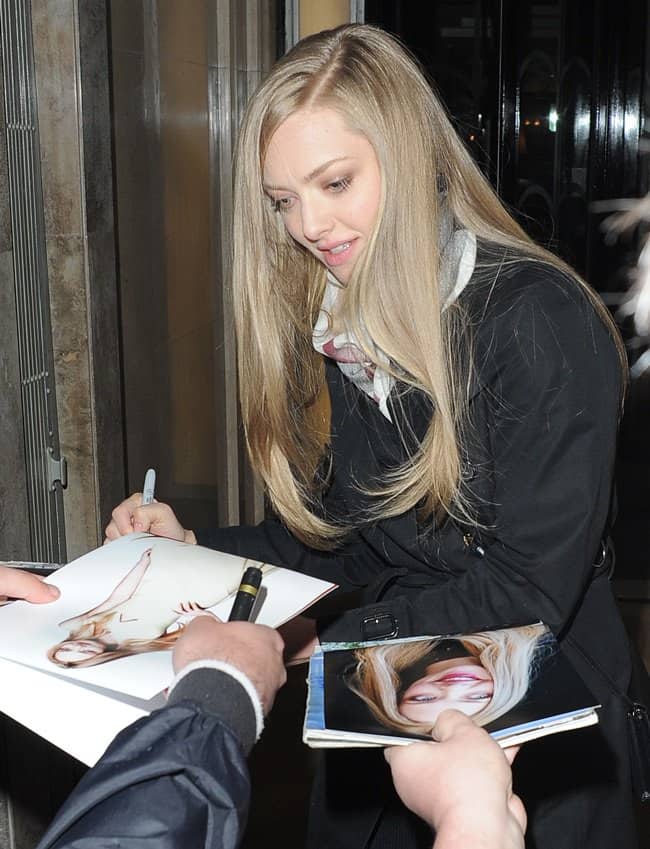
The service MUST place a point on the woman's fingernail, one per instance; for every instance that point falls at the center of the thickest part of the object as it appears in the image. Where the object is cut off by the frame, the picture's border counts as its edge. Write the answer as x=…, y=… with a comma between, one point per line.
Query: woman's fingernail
x=54, y=591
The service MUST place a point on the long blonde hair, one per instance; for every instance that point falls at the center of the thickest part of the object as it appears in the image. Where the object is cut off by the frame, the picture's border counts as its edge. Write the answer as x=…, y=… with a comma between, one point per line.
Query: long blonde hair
x=509, y=656
x=392, y=300
x=92, y=632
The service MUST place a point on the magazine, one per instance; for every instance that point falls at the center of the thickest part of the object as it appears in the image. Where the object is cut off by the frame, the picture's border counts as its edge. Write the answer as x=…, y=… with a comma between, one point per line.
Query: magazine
x=103, y=648
x=515, y=682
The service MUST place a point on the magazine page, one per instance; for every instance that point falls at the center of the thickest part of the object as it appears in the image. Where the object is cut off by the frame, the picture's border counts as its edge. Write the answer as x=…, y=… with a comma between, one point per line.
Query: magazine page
x=78, y=719
x=514, y=681
x=122, y=605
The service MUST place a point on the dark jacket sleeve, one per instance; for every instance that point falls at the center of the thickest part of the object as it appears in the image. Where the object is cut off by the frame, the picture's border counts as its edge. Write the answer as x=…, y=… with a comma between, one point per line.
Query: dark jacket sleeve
x=351, y=567
x=177, y=778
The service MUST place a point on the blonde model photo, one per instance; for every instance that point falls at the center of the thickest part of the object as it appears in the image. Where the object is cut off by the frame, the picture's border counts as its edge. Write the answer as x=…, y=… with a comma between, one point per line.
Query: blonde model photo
x=484, y=675
x=148, y=602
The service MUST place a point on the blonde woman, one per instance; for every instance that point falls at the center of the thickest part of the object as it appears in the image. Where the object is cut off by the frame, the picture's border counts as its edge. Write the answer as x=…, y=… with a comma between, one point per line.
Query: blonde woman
x=407, y=686
x=148, y=602
x=432, y=402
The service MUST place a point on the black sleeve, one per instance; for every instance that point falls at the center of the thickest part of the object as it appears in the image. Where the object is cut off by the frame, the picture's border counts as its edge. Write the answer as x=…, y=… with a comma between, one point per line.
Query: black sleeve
x=218, y=693
x=175, y=778
x=354, y=565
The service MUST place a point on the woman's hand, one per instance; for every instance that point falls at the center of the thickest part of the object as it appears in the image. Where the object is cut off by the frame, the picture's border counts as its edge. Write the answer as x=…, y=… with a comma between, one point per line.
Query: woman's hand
x=157, y=518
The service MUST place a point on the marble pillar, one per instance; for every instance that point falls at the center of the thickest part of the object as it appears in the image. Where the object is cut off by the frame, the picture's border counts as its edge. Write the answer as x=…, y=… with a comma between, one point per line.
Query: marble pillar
x=72, y=78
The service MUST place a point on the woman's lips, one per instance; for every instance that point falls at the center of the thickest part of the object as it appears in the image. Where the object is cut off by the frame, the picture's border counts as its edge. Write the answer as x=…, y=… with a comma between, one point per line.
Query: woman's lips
x=337, y=254
x=345, y=354
x=463, y=676
x=463, y=673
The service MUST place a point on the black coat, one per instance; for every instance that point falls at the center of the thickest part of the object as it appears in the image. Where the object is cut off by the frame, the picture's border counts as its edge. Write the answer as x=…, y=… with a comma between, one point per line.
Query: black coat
x=540, y=449
x=177, y=779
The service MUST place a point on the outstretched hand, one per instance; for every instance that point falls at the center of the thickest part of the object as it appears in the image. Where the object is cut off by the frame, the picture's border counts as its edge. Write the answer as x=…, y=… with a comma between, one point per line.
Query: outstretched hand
x=15, y=583
x=157, y=518
x=461, y=784
x=256, y=650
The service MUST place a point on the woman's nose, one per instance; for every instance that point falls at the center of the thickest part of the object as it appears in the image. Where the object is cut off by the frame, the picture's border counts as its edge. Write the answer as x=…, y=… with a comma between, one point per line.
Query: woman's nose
x=316, y=221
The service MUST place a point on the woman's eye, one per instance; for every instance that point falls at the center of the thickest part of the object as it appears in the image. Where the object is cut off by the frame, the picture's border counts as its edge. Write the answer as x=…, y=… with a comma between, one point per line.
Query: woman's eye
x=341, y=185
x=281, y=204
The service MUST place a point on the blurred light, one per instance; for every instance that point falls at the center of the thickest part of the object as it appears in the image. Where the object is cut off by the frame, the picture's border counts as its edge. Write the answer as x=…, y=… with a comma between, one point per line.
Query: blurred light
x=552, y=119
x=616, y=121
x=631, y=122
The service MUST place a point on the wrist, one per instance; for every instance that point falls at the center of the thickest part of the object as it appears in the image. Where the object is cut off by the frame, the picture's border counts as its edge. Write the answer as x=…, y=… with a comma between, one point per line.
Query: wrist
x=224, y=692
x=210, y=694
x=490, y=830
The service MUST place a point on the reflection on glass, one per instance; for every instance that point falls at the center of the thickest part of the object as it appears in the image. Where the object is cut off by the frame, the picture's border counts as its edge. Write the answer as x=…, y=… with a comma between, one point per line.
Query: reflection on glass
x=537, y=120
x=456, y=41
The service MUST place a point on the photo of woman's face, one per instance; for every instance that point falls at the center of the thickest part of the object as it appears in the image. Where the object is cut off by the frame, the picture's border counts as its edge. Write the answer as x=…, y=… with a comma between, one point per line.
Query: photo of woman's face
x=75, y=651
x=459, y=682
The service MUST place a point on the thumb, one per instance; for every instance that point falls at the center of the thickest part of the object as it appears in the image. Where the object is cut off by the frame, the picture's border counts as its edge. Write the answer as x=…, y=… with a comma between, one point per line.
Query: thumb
x=17, y=584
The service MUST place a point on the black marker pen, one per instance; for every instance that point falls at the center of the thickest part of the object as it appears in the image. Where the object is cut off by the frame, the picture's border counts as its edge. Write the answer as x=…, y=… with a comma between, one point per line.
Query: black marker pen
x=246, y=594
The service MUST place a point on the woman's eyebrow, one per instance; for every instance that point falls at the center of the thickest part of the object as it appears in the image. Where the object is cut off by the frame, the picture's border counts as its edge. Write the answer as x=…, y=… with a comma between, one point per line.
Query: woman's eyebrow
x=312, y=175
x=318, y=171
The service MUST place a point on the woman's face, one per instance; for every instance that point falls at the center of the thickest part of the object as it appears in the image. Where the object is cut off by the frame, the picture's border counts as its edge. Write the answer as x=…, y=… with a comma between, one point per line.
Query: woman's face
x=74, y=651
x=460, y=683
x=325, y=182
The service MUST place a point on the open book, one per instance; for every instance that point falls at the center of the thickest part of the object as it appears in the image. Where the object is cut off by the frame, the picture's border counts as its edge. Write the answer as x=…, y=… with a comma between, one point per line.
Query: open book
x=515, y=681
x=80, y=669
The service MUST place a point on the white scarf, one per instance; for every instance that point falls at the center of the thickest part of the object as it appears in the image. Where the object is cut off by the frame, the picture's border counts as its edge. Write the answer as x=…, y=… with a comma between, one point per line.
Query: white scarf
x=457, y=261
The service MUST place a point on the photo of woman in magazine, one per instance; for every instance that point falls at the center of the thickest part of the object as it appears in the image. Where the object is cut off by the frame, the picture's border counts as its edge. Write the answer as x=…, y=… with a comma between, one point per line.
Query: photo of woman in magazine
x=398, y=688
x=142, y=612
x=407, y=685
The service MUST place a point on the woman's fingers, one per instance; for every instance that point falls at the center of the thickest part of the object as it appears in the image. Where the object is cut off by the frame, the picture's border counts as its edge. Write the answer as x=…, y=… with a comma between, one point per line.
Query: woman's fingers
x=122, y=517
x=156, y=518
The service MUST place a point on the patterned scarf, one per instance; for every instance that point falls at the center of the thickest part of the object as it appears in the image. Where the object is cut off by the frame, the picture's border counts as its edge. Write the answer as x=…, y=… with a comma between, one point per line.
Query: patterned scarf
x=457, y=261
